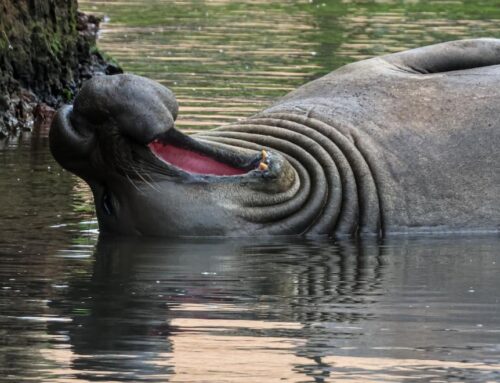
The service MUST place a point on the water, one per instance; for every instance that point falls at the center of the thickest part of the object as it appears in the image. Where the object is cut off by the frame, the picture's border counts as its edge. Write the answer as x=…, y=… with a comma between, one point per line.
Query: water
x=78, y=308
x=422, y=310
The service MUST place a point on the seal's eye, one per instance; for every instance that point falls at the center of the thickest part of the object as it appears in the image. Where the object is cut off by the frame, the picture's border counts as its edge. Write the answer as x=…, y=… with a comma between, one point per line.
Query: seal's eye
x=107, y=203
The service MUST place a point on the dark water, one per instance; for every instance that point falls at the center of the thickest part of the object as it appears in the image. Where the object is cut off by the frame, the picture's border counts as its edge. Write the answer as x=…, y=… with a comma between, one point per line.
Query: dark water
x=76, y=308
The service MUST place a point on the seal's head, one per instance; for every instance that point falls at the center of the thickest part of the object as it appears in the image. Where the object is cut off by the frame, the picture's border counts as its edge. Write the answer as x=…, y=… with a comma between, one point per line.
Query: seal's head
x=148, y=178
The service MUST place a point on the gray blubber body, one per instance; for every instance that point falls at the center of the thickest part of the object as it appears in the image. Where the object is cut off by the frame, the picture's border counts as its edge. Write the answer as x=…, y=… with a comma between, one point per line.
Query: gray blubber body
x=404, y=143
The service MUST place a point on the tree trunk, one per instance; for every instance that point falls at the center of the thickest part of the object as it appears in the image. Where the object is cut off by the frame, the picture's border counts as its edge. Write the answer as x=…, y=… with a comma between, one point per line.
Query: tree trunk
x=47, y=48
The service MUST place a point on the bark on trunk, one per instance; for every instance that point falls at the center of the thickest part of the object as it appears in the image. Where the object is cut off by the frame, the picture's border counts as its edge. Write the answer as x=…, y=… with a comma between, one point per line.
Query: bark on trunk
x=47, y=48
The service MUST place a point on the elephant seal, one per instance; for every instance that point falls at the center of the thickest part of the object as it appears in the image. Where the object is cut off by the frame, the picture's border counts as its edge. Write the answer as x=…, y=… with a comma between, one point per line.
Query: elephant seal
x=403, y=143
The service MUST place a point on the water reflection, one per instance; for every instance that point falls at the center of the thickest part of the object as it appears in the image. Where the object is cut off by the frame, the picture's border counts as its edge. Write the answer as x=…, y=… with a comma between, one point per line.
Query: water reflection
x=260, y=310
x=157, y=307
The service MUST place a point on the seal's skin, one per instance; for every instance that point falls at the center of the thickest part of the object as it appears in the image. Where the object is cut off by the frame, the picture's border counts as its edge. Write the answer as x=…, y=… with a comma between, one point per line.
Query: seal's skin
x=404, y=143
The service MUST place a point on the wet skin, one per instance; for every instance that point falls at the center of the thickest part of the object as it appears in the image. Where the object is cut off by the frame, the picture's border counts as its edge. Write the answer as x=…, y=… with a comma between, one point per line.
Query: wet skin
x=404, y=143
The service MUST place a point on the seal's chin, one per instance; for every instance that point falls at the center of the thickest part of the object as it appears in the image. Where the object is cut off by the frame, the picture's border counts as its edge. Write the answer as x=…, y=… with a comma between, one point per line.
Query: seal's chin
x=193, y=162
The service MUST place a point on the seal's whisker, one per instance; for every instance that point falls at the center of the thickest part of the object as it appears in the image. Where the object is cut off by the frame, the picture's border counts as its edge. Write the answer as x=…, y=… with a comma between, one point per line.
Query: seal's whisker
x=132, y=182
x=148, y=183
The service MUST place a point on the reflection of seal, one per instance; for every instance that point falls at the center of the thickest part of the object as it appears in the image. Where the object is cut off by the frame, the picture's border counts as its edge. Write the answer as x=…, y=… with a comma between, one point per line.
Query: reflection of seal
x=147, y=300
x=402, y=143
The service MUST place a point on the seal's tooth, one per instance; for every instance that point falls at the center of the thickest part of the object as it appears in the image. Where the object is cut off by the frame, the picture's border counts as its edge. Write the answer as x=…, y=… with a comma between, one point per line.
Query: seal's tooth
x=264, y=155
x=263, y=166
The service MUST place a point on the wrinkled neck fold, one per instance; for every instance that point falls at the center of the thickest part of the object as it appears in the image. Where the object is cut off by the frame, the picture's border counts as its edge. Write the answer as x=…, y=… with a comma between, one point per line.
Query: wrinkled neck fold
x=334, y=191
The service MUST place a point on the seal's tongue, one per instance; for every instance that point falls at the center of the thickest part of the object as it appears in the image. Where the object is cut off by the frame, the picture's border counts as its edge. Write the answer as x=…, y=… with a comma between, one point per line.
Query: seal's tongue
x=193, y=162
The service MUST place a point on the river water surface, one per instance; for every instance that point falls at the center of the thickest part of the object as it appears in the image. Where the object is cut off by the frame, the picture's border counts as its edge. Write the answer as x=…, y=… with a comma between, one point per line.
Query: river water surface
x=78, y=308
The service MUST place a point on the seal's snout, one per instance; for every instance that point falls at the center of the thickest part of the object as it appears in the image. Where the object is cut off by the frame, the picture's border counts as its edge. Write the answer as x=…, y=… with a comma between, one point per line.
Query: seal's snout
x=131, y=106
x=138, y=108
x=68, y=145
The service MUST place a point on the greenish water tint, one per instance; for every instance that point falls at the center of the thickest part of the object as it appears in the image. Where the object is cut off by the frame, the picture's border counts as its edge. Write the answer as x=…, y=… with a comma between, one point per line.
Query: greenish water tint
x=228, y=59
x=78, y=308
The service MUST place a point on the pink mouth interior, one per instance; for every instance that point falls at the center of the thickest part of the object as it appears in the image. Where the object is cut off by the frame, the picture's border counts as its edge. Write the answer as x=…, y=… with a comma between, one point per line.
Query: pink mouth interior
x=193, y=162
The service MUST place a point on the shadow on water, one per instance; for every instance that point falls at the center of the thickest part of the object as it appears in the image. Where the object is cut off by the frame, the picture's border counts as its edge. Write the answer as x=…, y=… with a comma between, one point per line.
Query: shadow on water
x=220, y=310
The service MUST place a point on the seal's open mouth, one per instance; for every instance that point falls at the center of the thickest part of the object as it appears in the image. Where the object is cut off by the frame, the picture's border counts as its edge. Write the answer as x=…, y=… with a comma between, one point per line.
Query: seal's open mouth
x=194, y=157
x=193, y=162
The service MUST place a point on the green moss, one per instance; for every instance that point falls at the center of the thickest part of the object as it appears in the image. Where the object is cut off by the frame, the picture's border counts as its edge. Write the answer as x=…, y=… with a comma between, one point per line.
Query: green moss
x=56, y=45
x=4, y=41
x=95, y=50
x=67, y=94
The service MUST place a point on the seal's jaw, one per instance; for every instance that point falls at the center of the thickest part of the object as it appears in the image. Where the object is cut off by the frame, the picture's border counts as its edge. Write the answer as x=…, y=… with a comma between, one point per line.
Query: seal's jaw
x=193, y=162
x=193, y=159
